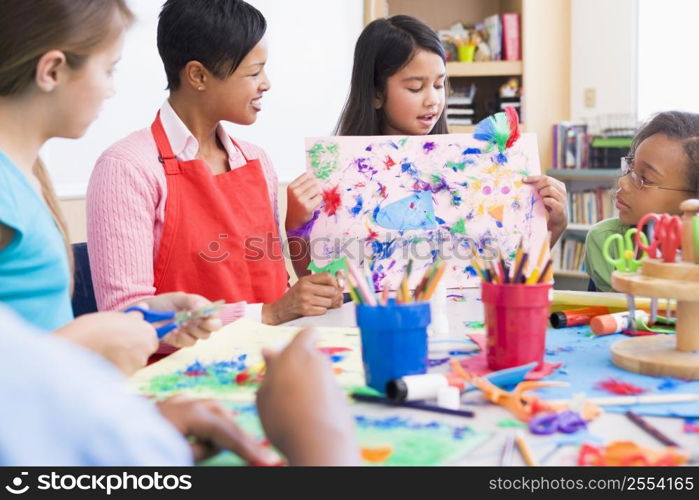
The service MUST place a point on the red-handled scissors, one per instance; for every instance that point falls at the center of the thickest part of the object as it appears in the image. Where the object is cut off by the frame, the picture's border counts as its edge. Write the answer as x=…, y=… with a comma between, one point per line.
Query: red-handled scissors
x=666, y=237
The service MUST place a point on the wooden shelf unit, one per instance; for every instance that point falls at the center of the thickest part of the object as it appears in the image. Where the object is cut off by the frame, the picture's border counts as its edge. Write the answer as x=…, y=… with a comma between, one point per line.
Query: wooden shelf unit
x=544, y=70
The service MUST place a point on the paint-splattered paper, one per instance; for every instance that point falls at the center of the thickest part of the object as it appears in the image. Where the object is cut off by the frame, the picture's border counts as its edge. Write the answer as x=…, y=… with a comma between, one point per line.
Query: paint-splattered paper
x=388, y=198
x=229, y=365
x=384, y=438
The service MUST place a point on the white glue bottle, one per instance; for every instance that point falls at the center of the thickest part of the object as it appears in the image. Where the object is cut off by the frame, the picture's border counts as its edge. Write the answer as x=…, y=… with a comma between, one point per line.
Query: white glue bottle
x=438, y=311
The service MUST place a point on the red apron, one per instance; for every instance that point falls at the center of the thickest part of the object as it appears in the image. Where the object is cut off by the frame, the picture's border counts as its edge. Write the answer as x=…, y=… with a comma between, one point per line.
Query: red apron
x=220, y=238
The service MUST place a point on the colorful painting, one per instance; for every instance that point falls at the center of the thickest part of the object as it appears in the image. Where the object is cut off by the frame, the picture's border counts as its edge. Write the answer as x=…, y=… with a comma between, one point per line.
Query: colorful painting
x=384, y=438
x=229, y=365
x=387, y=199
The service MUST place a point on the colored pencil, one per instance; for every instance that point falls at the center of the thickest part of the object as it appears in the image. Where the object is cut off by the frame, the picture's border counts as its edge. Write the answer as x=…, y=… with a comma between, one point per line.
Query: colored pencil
x=519, y=272
x=364, y=398
x=508, y=450
x=432, y=286
x=361, y=284
x=646, y=426
x=524, y=448
x=545, y=272
x=638, y=400
x=503, y=268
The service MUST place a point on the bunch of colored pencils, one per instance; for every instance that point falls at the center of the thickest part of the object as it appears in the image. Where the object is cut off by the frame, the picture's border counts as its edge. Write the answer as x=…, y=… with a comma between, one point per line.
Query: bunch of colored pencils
x=428, y=284
x=361, y=286
x=498, y=272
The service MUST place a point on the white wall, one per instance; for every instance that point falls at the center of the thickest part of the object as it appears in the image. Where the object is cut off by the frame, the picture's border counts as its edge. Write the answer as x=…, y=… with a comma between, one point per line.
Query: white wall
x=667, y=70
x=603, y=56
x=311, y=44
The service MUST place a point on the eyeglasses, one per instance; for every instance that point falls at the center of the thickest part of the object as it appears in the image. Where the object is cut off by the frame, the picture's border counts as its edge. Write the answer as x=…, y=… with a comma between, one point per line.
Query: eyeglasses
x=627, y=167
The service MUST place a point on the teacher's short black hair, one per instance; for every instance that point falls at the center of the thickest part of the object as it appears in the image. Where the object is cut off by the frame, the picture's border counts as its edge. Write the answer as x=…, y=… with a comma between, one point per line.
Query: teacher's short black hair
x=217, y=33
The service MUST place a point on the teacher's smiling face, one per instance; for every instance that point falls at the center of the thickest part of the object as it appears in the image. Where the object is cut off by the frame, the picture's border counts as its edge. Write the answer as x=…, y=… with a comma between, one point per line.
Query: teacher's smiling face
x=238, y=98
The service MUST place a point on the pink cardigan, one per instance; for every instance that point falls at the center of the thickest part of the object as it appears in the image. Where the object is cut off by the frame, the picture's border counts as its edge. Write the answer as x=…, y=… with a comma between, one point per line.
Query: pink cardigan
x=126, y=200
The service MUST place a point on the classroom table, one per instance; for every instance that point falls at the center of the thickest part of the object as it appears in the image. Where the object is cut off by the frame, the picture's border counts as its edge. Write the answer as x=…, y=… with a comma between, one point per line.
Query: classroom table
x=610, y=427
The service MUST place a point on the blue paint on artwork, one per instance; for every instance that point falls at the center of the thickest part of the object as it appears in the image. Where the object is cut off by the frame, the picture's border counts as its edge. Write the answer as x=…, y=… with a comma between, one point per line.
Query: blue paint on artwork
x=357, y=208
x=471, y=151
x=413, y=212
x=428, y=146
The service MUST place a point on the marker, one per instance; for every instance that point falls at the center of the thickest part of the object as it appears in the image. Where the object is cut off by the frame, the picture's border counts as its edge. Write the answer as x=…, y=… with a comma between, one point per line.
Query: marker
x=417, y=387
x=416, y=406
x=646, y=426
x=616, y=323
x=576, y=317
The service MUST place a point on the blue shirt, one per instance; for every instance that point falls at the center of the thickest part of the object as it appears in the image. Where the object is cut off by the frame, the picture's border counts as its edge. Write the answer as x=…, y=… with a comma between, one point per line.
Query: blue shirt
x=34, y=272
x=64, y=405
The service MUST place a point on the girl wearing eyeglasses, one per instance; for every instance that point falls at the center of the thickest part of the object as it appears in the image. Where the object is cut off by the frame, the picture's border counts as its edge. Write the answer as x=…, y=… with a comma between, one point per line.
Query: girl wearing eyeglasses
x=661, y=171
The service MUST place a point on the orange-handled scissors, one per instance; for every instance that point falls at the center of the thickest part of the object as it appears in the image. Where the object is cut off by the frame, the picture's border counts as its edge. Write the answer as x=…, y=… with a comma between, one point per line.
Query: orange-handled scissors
x=666, y=237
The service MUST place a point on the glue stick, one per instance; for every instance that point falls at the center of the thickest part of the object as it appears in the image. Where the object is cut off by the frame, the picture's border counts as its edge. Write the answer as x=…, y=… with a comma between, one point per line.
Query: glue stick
x=417, y=387
x=615, y=323
x=438, y=307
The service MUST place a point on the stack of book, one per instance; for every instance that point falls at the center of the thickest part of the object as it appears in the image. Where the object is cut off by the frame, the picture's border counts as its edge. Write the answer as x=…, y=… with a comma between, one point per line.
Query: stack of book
x=460, y=107
x=570, y=146
x=569, y=255
x=591, y=206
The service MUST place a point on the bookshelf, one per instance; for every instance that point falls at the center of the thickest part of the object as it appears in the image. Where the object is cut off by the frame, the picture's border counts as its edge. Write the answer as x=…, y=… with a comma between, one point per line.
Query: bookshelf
x=544, y=70
x=577, y=180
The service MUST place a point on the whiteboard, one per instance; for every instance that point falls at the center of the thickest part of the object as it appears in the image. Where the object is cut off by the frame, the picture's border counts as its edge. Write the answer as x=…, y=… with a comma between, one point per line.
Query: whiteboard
x=311, y=45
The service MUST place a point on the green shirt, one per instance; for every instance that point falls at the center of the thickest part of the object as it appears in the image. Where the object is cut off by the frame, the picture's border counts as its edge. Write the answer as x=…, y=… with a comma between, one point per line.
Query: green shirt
x=596, y=265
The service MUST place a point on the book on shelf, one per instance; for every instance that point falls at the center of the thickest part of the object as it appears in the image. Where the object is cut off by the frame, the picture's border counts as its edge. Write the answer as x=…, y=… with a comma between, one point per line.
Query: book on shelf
x=510, y=37
x=569, y=255
x=570, y=145
x=459, y=121
x=494, y=27
x=591, y=206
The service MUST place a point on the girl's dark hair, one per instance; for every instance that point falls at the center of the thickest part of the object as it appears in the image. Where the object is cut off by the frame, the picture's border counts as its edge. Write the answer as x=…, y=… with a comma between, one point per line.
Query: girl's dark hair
x=217, y=33
x=678, y=125
x=384, y=47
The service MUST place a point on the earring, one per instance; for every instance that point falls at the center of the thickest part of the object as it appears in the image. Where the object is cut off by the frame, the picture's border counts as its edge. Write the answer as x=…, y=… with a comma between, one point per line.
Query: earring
x=200, y=88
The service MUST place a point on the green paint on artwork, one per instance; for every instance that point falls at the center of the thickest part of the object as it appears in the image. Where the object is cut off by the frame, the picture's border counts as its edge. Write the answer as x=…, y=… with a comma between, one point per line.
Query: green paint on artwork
x=324, y=159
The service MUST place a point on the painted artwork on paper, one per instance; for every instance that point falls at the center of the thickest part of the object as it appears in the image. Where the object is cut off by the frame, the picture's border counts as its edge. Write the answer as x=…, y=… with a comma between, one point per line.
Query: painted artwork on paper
x=386, y=199
x=384, y=438
x=229, y=365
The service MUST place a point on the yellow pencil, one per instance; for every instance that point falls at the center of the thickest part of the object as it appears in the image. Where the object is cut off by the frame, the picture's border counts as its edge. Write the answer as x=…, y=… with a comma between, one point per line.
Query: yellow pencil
x=524, y=450
x=432, y=286
x=534, y=276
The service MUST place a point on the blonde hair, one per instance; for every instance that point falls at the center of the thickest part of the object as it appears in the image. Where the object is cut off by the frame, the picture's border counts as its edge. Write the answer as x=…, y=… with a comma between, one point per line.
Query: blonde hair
x=29, y=29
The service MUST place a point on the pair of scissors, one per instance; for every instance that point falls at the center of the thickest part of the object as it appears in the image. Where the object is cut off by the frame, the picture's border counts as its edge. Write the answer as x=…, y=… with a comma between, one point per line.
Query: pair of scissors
x=175, y=318
x=666, y=237
x=626, y=260
x=567, y=421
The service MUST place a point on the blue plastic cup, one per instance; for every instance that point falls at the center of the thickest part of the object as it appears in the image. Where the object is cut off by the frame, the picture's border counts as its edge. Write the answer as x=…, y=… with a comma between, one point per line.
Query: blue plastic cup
x=394, y=341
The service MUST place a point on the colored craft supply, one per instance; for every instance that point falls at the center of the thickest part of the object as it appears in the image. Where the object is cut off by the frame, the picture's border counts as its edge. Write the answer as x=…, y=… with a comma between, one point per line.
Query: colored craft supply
x=394, y=341
x=576, y=317
x=365, y=398
x=174, y=319
x=519, y=272
x=570, y=299
x=695, y=234
x=545, y=277
x=360, y=280
x=417, y=387
x=516, y=317
x=508, y=450
x=432, y=286
x=608, y=324
x=567, y=422
x=650, y=429
x=504, y=272
x=449, y=397
x=524, y=450
x=625, y=260
x=637, y=400
x=666, y=239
